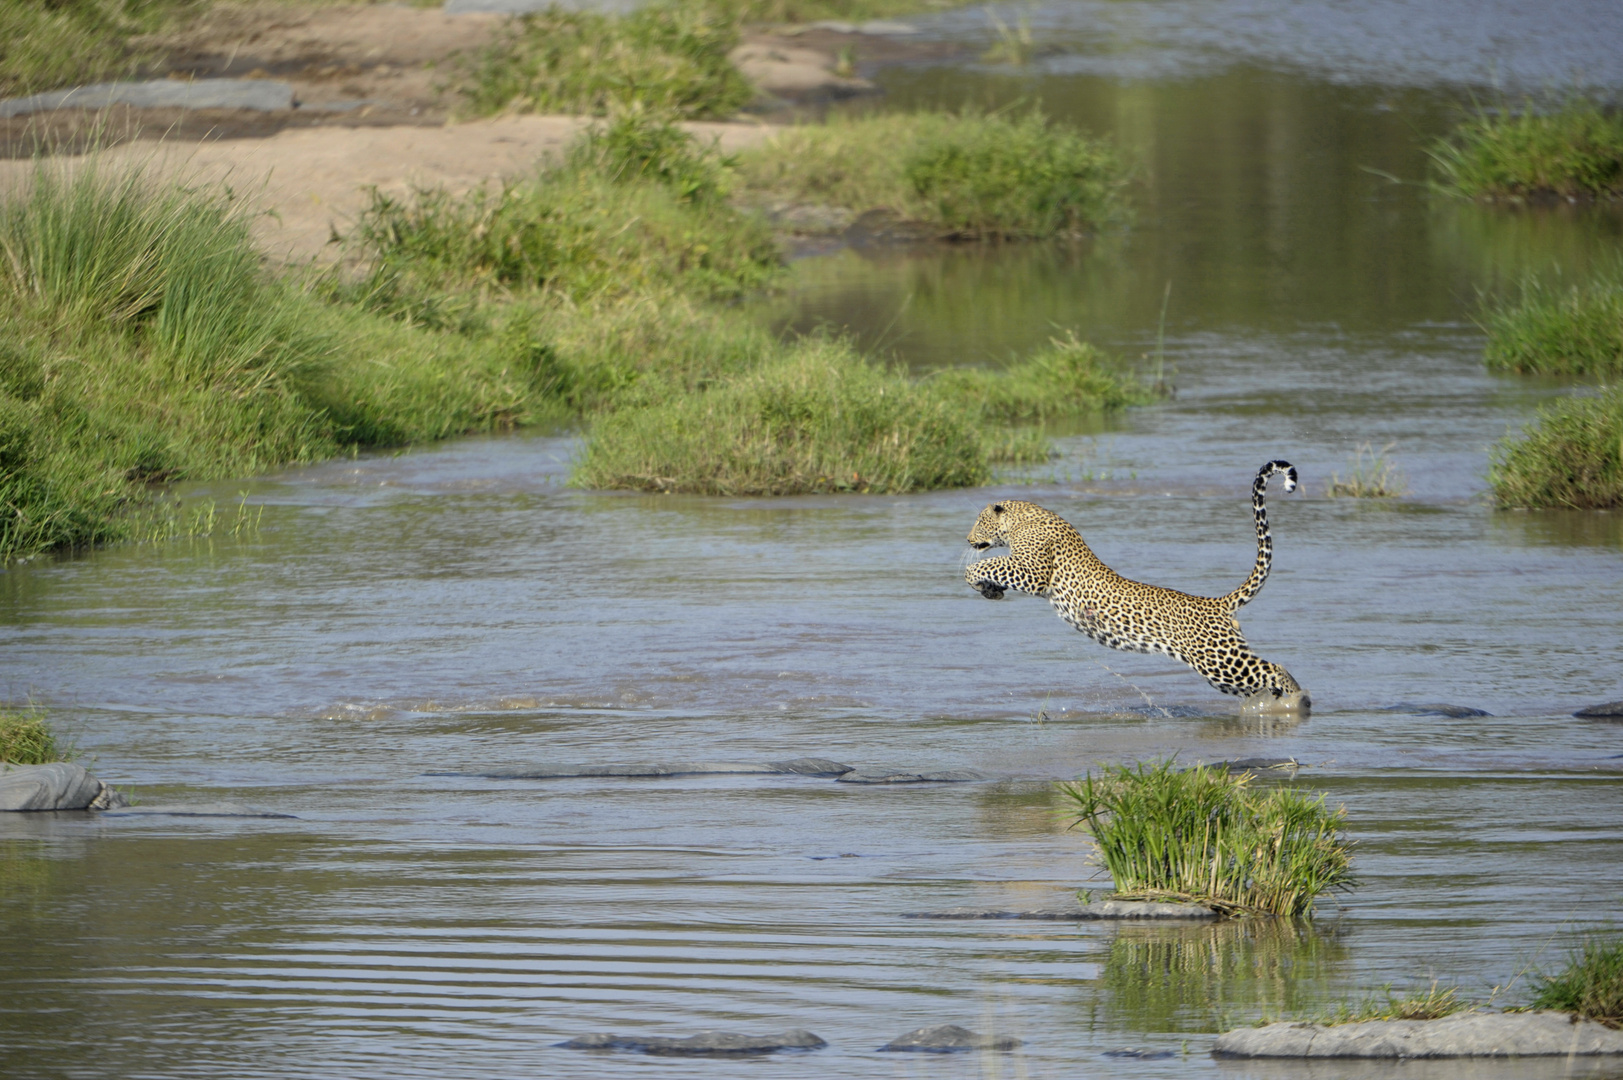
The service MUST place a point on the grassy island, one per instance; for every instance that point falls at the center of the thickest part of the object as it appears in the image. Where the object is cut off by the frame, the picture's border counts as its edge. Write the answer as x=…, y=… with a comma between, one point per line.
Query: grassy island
x=1571, y=152
x=26, y=738
x=1570, y=457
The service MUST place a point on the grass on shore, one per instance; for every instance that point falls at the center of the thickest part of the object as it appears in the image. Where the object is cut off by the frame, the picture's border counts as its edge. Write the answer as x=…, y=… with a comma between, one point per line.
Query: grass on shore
x=1548, y=330
x=1590, y=986
x=1371, y=475
x=1207, y=836
x=1570, y=457
x=1574, y=151
x=966, y=175
x=46, y=44
x=26, y=738
x=1433, y=1003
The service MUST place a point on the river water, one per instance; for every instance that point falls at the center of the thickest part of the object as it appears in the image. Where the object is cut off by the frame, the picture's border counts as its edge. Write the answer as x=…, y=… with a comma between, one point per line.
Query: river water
x=458, y=610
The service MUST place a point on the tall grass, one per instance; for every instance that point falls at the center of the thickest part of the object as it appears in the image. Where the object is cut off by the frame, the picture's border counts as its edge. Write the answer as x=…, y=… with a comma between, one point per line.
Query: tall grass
x=1207, y=836
x=26, y=738
x=1550, y=330
x=45, y=44
x=1573, y=151
x=1432, y=1003
x=965, y=174
x=1590, y=986
x=1570, y=457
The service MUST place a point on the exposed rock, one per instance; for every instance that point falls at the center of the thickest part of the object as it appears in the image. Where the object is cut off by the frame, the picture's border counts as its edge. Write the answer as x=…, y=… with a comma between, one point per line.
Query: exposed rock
x=1099, y=909
x=810, y=766
x=1610, y=710
x=110, y=798
x=1140, y=1055
x=214, y=809
x=1257, y=764
x=1472, y=1034
x=1453, y=712
x=61, y=785
x=881, y=775
x=947, y=1039
x=873, y=28
x=704, y=1044
x=807, y=766
x=796, y=72
x=260, y=95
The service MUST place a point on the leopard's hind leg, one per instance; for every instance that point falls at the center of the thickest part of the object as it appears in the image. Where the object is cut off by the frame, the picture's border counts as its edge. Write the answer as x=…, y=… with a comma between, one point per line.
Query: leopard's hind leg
x=1232, y=668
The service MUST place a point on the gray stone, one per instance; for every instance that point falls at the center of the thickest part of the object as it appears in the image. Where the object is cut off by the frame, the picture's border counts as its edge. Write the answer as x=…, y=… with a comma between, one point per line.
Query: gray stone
x=1610, y=710
x=61, y=785
x=1257, y=764
x=1453, y=712
x=1464, y=1035
x=529, y=7
x=262, y=95
x=704, y=1044
x=881, y=775
x=645, y=770
x=810, y=766
x=947, y=1039
x=1099, y=909
x=214, y=809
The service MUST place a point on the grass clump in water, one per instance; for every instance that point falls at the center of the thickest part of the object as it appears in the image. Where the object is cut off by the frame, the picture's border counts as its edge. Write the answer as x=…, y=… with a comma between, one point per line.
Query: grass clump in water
x=967, y=175
x=1206, y=836
x=1571, y=457
x=26, y=738
x=1068, y=377
x=1433, y=1003
x=1549, y=330
x=1371, y=476
x=668, y=55
x=1590, y=986
x=1575, y=151
x=819, y=419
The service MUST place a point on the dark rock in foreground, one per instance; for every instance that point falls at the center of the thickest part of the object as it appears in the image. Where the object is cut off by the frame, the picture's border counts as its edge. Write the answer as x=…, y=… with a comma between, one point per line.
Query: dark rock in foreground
x=1610, y=710
x=1099, y=909
x=704, y=1044
x=214, y=809
x=1463, y=1035
x=262, y=95
x=880, y=775
x=61, y=785
x=1453, y=712
x=947, y=1039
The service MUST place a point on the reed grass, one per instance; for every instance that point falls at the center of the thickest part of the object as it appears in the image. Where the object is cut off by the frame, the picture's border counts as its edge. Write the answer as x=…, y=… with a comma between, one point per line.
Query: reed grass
x=1572, y=151
x=1206, y=836
x=1546, y=329
x=26, y=738
x=1590, y=986
x=967, y=175
x=1371, y=475
x=1569, y=457
x=1432, y=1003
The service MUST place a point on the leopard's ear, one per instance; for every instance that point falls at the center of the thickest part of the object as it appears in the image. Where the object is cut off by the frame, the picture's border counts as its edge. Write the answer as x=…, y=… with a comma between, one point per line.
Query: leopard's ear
x=997, y=508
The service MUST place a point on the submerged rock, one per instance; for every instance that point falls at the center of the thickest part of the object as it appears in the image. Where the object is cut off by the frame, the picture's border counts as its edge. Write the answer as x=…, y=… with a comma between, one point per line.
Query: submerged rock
x=947, y=1039
x=880, y=775
x=262, y=95
x=806, y=766
x=1608, y=710
x=213, y=809
x=810, y=766
x=1099, y=909
x=1453, y=712
x=704, y=1044
x=1257, y=764
x=61, y=785
x=1464, y=1035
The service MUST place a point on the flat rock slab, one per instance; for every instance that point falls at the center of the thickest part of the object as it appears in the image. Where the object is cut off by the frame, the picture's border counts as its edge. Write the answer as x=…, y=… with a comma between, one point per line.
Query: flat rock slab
x=1453, y=712
x=793, y=766
x=1101, y=909
x=913, y=776
x=261, y=95
x=214, y=809
x=1464, y=1035
x=61, y=785
x=704, y=1044
x=1610, y=710
x=1257, y=764
x=948, y=1039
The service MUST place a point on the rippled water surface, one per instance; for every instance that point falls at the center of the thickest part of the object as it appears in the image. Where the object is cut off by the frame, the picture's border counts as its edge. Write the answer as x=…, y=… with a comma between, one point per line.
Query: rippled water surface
x=459, y=610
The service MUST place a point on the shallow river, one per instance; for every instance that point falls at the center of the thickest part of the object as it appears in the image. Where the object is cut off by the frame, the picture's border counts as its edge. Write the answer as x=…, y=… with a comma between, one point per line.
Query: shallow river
x=459, y=609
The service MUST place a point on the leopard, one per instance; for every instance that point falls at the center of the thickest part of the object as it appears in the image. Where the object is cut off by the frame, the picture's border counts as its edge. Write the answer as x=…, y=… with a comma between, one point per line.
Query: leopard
x=1048, y=558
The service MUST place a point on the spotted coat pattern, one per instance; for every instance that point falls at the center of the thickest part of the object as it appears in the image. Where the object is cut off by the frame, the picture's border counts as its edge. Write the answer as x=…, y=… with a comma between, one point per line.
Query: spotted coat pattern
x=1048, y=557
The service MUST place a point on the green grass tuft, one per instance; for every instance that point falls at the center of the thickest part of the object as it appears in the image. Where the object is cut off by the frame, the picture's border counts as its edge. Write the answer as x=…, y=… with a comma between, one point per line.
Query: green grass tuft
x=1570, y=457
x=1590, y=986
x=26, y=738
x=1371, y=475
x=1206, y=836
x=1433, y=1003
x=1548, y=330
x=1068, y=377
x=966, y=175
x=1575, y=151
x=46, y=44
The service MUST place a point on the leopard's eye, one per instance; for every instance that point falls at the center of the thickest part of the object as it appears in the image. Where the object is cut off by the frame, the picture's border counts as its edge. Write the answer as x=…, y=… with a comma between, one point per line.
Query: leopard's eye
x=997, y=508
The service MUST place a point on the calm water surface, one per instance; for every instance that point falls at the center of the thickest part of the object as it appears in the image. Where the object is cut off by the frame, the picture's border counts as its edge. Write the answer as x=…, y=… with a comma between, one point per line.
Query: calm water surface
x=459, y=609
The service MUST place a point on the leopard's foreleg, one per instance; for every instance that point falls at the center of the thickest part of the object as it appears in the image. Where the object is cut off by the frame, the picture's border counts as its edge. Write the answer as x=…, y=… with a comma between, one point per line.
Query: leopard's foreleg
x=995, y=576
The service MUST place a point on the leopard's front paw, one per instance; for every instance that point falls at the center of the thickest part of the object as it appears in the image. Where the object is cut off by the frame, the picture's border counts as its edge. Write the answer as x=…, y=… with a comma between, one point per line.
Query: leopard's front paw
x=990, y=589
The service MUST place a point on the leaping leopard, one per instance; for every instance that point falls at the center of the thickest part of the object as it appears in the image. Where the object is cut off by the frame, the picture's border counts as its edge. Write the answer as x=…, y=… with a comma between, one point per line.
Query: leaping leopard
x=1048, y=557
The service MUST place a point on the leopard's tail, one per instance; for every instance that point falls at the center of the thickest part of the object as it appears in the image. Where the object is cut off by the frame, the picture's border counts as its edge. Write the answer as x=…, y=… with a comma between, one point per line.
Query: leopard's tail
x=1265, y=542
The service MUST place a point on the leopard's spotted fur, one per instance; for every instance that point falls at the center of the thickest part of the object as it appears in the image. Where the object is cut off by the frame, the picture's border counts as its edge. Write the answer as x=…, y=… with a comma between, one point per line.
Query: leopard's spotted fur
x=1047, y=557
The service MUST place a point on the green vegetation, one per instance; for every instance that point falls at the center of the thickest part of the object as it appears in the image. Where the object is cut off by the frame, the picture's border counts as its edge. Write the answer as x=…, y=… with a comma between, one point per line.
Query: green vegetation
x=1549, y=330
x=967, y=175
x=1370, y=476
x=46, y=44
x=1067, y=378
x=1575, y=151
x=26, y=738
x=1591, y=985
x=1206, y=836
x=1570, y=457
x=1433, y=1003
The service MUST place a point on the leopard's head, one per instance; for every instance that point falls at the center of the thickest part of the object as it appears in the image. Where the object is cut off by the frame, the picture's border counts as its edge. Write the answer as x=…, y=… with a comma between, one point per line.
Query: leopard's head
x=992, y=527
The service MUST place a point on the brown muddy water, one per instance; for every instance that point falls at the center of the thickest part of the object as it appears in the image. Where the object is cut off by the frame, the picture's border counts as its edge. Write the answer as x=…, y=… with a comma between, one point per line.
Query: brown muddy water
x=458, y=609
